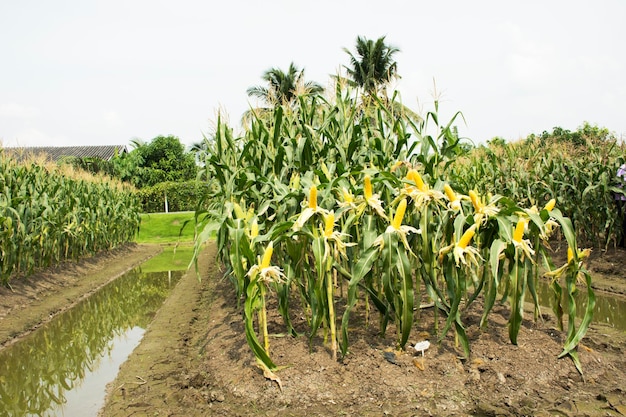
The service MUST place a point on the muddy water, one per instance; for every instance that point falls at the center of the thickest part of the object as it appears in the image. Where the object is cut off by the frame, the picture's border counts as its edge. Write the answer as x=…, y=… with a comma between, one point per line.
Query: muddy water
x=63, y=367
x=610, y=309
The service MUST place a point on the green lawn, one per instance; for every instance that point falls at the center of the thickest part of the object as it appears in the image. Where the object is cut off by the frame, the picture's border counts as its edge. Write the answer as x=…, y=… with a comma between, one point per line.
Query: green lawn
x=166, y=227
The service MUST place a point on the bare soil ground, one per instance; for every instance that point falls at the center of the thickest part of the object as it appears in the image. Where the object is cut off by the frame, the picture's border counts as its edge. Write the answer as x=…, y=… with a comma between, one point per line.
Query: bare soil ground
x=194, y=361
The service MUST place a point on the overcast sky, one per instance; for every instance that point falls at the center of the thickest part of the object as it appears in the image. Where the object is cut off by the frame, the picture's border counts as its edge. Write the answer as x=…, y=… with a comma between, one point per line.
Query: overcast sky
x=78, y=72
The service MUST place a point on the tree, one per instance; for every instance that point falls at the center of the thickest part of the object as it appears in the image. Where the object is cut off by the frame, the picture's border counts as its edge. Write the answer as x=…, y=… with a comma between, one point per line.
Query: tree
x=284, y=87
x=373, y=66
x=163, y=159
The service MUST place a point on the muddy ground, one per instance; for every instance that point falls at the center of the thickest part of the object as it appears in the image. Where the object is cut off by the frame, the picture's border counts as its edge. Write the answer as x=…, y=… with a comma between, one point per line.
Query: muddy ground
x=194, y=361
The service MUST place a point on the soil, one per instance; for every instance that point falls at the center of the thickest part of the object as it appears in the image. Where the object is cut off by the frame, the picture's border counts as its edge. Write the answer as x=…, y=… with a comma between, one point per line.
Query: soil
x=194, y=361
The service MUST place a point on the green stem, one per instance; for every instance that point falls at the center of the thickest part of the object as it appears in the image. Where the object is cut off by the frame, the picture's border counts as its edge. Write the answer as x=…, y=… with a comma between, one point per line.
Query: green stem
x=263, y=321
x=331, y=314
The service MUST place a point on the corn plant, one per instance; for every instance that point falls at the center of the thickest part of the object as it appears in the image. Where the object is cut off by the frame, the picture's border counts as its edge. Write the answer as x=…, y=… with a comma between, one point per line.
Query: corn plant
x=329, y=196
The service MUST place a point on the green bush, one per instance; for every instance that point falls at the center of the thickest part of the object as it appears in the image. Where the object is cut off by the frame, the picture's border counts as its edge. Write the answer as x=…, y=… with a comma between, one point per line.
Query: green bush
x=181, y=196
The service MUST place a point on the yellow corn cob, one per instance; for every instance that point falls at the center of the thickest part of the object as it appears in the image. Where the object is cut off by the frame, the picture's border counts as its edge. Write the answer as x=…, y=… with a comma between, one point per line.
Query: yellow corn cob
x=450, y=193
x=267, y=256
x=550, y=205
x=329, y=224
x=347, y=197
x=570, y=254
x=475, y=200
x=239, y=211
x=467, y=237
x=367, y=187
x=397, y=218
x=254, y=229
x=313, y=197
x=518, y=233
x=414, y=176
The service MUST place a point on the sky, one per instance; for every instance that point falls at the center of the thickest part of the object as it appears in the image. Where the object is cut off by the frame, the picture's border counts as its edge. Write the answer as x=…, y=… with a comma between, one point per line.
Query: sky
x=79, y=72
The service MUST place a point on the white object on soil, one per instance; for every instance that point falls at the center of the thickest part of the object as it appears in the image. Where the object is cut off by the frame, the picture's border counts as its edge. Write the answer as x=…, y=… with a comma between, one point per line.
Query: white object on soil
x=422, y=346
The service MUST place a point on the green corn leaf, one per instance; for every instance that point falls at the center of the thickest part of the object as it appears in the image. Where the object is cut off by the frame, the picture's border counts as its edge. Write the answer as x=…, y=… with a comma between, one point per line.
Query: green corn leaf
x=567, y=228
x=574, y=338
x=359, y=271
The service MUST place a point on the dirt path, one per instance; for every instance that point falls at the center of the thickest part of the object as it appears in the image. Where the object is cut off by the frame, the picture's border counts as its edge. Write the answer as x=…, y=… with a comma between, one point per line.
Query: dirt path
x=194, y=361
x=157, y=373
x=36, y=300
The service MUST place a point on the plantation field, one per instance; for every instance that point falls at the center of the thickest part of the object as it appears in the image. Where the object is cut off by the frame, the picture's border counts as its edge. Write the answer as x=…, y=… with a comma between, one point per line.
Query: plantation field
x=195, y=362
x=340, y=231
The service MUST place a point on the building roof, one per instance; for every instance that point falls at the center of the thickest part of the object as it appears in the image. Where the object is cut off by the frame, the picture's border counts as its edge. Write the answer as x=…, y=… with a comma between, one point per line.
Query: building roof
x=54, y=153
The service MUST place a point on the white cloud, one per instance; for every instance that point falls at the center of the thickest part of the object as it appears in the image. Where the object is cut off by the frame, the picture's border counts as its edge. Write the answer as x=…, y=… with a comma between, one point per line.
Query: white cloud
x=17, y=111
x=36, y=137
x=112, y=119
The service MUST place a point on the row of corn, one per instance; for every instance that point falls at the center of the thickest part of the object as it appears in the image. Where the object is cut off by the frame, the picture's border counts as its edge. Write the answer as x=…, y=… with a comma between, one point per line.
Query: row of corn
x=48, y=216
x=532, y=171
x=346, y=206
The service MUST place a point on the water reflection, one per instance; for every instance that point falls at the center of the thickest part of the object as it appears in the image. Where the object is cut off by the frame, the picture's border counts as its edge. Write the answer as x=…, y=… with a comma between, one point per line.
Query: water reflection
x=609, y=309
x=37, y=372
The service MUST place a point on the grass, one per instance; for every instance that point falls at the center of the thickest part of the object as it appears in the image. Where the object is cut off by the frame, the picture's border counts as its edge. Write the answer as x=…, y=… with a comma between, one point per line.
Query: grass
x=165, y=228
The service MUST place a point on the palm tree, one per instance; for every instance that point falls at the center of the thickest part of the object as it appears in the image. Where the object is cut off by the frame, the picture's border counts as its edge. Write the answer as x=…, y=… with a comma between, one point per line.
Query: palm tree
x=372, y=69
x=284, y=87
x=373, y=66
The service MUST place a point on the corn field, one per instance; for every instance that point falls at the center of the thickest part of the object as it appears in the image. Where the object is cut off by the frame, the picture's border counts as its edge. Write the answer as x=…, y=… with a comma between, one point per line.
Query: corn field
x=581, y=176
x=48, y=216
x=336, y=203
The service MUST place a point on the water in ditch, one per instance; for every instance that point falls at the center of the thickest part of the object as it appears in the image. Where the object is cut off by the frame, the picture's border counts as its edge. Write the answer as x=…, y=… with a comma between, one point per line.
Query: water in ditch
x=609, y=310
x=62, y=368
